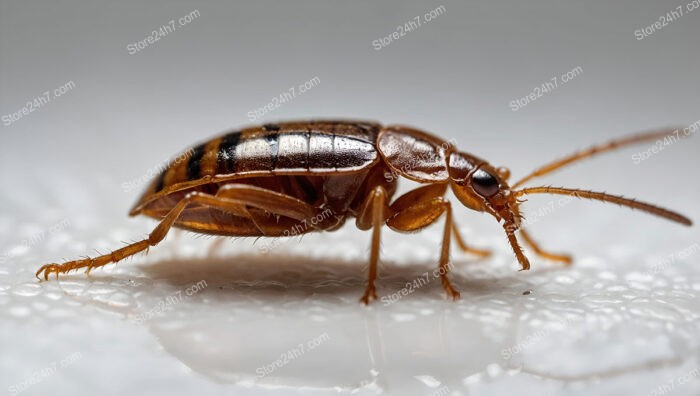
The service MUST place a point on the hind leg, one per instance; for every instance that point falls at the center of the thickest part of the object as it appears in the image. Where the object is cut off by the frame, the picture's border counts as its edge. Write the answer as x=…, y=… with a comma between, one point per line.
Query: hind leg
x=153, y=239
x=562, y=258
x=234, y=201
x=278, y=204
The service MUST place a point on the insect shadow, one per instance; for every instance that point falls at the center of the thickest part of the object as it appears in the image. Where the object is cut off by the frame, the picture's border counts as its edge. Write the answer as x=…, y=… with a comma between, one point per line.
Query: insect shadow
x=244, y=290
x=302, y=276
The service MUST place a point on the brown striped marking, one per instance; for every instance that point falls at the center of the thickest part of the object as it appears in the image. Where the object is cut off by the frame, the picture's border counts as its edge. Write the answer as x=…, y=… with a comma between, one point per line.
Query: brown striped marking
x=311, y=148
x=284, y=149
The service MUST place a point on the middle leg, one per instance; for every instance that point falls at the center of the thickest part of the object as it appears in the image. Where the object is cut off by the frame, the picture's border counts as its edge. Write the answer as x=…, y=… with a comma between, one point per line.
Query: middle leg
x=373, y=213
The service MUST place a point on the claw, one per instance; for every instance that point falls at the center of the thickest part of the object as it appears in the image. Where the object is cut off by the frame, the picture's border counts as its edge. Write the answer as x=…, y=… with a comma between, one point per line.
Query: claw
x=370, y=294
x=449, y=289
x=47, y=269
x=454, y=295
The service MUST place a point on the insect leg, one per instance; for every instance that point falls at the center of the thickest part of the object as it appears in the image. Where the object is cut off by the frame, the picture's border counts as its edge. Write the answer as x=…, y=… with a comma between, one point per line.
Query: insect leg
x=445, y=254
x=153, y=239
x=373, y=214
x=277, y=203
x=566, y=259
x=465, y=248
x=420, y=215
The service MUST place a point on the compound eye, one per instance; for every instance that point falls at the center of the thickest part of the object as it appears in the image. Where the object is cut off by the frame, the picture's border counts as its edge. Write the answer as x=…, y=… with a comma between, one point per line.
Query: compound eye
x=484, y=183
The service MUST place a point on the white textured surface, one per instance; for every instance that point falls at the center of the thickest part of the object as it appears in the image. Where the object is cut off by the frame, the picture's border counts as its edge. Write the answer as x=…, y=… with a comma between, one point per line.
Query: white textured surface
x=594, y=333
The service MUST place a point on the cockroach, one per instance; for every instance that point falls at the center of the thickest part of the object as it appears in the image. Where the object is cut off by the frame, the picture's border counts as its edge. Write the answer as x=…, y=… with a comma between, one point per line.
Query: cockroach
x=264, y=180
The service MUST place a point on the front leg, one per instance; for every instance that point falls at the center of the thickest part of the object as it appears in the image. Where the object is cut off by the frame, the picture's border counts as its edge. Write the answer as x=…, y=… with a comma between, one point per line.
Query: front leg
x=420, y=208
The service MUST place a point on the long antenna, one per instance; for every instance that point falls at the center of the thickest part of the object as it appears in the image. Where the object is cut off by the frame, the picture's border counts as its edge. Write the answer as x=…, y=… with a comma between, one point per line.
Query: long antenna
x=609, y=146
x=600, y=196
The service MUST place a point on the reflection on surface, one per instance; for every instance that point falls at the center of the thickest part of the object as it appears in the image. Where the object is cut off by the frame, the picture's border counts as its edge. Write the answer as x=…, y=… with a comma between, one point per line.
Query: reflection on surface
x=288, y=321
x=256, y=309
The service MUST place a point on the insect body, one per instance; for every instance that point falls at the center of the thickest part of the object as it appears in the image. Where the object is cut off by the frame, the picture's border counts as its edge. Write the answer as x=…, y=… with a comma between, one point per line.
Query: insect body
x=263, y=181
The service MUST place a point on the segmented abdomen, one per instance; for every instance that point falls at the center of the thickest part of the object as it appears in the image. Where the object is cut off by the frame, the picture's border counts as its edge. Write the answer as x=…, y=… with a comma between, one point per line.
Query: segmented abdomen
x=314, y=148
